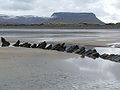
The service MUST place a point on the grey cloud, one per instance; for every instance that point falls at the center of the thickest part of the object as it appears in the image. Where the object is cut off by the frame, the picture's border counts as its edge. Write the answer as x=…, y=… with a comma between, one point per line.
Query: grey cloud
x=47, y=7
x=17, y=5
x=22, y=1
x=116, y=4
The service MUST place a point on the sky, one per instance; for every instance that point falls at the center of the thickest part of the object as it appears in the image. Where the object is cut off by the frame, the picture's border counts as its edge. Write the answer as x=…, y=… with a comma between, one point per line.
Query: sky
x=106, y=10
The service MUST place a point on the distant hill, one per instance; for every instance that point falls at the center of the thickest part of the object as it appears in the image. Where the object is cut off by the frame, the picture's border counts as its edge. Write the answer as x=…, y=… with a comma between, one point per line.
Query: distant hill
x=60, y=17
x=66, y=17
x=4, y=19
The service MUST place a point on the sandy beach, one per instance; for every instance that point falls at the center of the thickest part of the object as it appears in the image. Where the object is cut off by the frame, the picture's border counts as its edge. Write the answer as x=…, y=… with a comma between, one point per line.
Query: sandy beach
x=37, y=69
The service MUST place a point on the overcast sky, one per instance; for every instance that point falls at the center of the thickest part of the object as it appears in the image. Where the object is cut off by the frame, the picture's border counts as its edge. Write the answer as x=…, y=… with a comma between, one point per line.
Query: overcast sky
x=106, y=10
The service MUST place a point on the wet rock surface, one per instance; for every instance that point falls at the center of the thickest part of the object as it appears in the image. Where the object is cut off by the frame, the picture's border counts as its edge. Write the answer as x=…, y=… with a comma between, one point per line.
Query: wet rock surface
x=17, y=44
x=112, y=57
x=34, y=45
x=26, y=44
x=5, y=43
x=42, y=45
x=72, y=49
x=49, y=47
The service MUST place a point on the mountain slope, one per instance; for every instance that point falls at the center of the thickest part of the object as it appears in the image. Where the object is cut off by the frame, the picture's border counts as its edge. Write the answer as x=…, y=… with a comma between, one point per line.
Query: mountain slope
x=66, y=17
x=60, y=17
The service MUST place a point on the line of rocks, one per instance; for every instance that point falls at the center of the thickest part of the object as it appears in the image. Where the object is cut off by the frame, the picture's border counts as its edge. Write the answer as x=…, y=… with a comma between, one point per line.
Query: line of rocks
x=111, y=57
x=91, y=53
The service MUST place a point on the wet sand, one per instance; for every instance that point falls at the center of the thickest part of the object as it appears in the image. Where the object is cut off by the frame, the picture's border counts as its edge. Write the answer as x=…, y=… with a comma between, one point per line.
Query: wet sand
x=36, y=69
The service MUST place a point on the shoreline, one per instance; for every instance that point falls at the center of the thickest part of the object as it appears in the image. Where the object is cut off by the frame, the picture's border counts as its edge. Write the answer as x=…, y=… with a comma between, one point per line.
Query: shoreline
x=59, y=27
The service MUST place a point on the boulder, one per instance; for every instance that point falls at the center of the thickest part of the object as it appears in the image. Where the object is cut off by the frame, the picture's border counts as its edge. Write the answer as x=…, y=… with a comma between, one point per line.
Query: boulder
x=88, y=52
x=112, y=57
x=26, y=44
x=34, y=45
x=42, y=45
x=29, y=45
x=72, y=49
x=62, y=47
x=95, y=55
x=4, y=42
x=17, y=43
x=23, y=44
x=115, y=58
x=104, y=56
x=80, y=51
x=55, y=47
x=49, y=47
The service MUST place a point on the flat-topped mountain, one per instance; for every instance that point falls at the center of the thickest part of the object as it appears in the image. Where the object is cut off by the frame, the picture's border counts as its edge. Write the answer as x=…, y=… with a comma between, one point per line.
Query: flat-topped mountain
x=67, y=17
x=60, y=17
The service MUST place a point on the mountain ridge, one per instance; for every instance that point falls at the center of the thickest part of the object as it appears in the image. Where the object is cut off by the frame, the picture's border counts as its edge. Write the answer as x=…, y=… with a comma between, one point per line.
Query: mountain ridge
x=57, y=17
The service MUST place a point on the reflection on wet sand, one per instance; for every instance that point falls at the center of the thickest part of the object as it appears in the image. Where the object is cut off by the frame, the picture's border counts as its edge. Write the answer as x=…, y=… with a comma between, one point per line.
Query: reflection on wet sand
x=98, y=72
x=107, y=69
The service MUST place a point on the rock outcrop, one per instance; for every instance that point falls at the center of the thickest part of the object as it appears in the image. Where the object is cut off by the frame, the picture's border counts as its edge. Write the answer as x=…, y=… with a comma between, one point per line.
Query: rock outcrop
x=49, y=47
x=34, y=45
x=17, y=44
x=72, y=49
x=82, y=51
x=42, y=45
x=26, y=44
x=5, y=43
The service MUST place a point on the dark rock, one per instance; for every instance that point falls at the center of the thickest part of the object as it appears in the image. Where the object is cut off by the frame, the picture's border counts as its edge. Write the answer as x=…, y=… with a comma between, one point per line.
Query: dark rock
x=94, y=50
x=34, y=46
x=88, y=53
x=26, y=44
x=95, y=55
x=104, y=56
x=49, y=47
x=55, y=47
x=42, y=45
x=17, y=43
x=29, y=45
x=92, y=53
x=82, y=56
x=117, y=58
x=113, y=57
x=72, y=49
x=4, y=42
x=80, y=51
x=62, y=47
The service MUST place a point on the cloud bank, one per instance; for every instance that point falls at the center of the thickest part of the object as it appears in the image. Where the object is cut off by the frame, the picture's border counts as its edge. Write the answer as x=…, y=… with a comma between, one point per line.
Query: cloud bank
x=106, y=10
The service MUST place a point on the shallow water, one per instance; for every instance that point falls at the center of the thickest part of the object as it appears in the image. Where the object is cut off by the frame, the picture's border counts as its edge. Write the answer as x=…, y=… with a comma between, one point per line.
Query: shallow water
x=59, y=34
